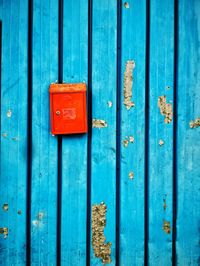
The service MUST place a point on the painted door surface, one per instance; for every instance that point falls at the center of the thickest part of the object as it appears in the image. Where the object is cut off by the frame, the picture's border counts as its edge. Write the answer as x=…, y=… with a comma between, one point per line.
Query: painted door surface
x=128, y=192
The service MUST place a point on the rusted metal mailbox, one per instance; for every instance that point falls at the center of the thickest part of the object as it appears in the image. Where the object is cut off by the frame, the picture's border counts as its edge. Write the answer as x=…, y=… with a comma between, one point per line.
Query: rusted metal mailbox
x=68, y=108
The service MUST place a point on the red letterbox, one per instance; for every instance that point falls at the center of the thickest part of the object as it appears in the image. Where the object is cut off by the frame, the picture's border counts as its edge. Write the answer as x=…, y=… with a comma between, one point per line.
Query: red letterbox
x=68, y=108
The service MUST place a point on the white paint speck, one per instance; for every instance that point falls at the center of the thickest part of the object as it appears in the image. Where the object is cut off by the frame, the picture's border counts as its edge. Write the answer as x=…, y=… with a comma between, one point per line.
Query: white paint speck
x=9, y=113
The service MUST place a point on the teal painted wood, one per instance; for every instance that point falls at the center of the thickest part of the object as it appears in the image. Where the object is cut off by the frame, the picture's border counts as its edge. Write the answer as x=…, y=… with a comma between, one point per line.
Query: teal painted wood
x=74, y=147
x=160, y=154
x=44, y=145
x=132, y=125
x=14, y=17
x=188, y=139
x=44, y=168
x=103, y=161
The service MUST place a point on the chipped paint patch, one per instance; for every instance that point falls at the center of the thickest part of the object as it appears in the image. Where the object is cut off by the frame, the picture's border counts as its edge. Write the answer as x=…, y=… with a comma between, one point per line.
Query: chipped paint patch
x=19, y=212
x=101, y=249
x=4, y=135
x=99, y=123
x=4, y=231
x=131, y=139
x=126, y=5
x=5, y=207
x=38, y=222
x=165, y=109
x=125, y=143
x=161, y=142
x=128, y=84
x=40, y=215
x=109, y=103
x=131, y=175
x=195, y=123
x=166, y=227
x=128, y=139
x=9, y=113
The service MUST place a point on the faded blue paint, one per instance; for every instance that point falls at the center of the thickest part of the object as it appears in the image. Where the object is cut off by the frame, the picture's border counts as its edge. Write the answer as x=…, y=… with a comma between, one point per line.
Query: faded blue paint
x=103, y=161
x=132, y=125
x=44, y=145
x=188, y=154
x=74, y=154
x=13, y=131
x=74, y=148
x=161, y=78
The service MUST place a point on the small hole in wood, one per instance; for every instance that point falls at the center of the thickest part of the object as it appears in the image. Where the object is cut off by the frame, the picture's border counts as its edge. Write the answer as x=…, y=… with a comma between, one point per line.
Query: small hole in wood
x=126, y=4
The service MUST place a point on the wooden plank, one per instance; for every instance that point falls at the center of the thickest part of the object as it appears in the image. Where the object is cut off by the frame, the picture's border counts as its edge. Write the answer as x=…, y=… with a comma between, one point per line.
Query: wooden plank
x=161, y=132
x=188, y=139
x=14, y=15
x=132, y=133
x=103, y=161
x=44, y=145
x=74, y=147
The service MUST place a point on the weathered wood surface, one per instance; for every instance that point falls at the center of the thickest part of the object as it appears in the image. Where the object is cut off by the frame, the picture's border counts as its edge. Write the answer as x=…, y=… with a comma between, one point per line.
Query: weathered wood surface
x=161, y=84
x=44, y=145
x=14, y=95
x=132, y=141
x=74, y=148
x=103, y=145
x=138, y=168
x=188, y=139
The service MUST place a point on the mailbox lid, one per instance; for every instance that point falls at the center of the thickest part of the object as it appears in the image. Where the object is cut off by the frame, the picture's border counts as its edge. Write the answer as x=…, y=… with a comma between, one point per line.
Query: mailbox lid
x=68, y=108
x=63, y=88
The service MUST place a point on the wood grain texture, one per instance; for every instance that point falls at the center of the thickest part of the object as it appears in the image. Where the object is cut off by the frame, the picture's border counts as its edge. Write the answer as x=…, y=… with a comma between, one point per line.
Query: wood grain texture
x=132, y=125
x=160, y=156
x=14, y=15
x=74, y=147
x=44, y=145
x=127, y=42
x=188, y=140
x=103, y=161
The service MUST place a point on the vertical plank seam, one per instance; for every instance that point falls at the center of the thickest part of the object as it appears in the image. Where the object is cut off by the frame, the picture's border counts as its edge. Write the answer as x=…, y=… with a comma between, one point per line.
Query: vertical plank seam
x=9, y=123
x=59, y=138
x=0, y=82
x=175, y=95
x=146, y=150
x=40, y=119
x=18, y=131
x=29, y=132
x=89, y=102
x=118, y=130
x=0, y=74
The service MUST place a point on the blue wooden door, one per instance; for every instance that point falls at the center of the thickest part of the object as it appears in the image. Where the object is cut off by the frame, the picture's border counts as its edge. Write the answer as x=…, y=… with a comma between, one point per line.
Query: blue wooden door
x=128, y=192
